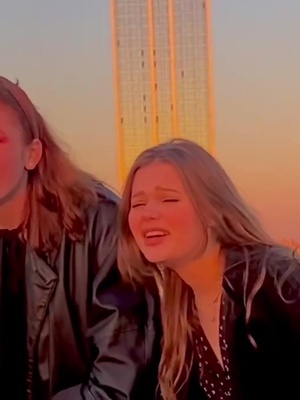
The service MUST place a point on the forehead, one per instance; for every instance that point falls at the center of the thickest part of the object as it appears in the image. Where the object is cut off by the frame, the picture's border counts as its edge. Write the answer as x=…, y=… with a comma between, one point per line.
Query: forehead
x=157, y=175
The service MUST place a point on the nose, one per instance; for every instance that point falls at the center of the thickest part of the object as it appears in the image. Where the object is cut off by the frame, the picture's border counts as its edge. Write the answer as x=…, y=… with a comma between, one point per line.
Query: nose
x=150, y=212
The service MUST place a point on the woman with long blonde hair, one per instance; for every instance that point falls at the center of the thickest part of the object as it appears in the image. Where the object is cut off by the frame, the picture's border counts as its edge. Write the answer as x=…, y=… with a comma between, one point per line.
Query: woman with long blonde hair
x=229, y=294
x=69, y=328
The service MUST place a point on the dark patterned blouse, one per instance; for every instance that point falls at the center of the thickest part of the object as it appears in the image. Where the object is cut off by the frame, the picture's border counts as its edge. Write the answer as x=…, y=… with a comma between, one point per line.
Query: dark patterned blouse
x=214, y=378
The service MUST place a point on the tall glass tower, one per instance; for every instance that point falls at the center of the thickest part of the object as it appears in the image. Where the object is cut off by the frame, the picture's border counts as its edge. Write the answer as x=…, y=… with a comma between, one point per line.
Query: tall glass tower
x=163, y=74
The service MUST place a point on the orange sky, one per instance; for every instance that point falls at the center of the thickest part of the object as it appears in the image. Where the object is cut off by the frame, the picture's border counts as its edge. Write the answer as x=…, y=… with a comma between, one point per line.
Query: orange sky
x=67, y=69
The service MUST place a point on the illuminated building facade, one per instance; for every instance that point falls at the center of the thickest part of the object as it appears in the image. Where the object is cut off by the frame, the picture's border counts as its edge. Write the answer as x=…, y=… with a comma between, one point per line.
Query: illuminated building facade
x=163, y=74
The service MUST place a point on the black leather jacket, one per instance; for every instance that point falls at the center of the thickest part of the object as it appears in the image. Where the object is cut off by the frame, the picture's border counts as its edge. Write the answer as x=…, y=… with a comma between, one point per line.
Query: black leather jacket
x=269, y=370
x=89, y=336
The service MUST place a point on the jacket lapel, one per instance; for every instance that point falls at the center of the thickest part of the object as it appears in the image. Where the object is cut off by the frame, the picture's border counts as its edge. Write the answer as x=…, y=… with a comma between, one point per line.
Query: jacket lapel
x=237, y=338
x=41, y=282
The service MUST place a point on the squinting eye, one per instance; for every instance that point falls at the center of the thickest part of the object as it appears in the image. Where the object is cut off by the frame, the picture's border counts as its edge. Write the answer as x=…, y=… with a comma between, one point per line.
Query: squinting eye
x=170, y=200
x=137, y=205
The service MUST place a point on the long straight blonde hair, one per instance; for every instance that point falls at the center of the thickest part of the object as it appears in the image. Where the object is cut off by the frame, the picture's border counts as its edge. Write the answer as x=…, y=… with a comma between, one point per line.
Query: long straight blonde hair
x=216, y=200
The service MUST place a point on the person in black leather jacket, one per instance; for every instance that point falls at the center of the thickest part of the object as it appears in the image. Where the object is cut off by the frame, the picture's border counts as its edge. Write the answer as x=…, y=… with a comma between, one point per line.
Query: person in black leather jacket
x=70, y=329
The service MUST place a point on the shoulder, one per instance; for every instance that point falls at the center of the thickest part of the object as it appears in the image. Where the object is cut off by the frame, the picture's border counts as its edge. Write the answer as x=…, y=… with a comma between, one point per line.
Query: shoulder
x=103, y=213
x=282, y=273
x=137, y=305
x=266, y=268
x=106, y=199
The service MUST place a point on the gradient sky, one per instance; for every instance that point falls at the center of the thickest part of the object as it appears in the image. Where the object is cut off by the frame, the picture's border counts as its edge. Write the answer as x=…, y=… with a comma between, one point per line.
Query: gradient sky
x=61, y=53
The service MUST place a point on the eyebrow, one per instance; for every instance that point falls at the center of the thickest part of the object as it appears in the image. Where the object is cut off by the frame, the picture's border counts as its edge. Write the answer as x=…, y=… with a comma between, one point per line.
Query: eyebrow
x=158, y=188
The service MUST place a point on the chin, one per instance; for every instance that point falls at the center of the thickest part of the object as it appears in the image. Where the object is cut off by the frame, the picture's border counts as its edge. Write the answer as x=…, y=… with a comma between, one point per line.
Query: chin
x=155, y=258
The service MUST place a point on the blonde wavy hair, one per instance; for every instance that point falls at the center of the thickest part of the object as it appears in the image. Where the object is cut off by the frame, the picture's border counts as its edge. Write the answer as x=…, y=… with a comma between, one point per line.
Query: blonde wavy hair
x=216, y=201
x=58, y=191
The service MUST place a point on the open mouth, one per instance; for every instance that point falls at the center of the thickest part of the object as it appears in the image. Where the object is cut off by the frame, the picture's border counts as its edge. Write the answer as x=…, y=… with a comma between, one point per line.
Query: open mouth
x=155, y=234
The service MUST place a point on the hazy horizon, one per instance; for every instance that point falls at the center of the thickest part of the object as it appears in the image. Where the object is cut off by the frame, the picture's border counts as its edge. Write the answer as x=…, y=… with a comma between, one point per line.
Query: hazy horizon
x=61, y=54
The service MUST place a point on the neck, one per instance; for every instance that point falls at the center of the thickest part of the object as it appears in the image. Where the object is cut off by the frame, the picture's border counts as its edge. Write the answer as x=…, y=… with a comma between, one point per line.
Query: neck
x=12, y=211
x=205, y=275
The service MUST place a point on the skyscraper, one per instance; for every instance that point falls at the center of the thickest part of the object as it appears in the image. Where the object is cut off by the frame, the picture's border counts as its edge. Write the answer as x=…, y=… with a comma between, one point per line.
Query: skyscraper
x=163, y=74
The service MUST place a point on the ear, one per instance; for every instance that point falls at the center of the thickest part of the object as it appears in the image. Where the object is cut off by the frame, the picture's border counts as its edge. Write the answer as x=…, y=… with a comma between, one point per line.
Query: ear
x=33, y=154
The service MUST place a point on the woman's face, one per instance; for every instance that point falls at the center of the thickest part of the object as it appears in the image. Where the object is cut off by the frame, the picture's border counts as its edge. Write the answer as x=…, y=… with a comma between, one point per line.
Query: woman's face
x=162, y=218
x=15, y=156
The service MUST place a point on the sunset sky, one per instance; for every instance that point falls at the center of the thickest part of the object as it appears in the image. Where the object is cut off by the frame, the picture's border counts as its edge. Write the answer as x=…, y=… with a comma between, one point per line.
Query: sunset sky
x=61, y=53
